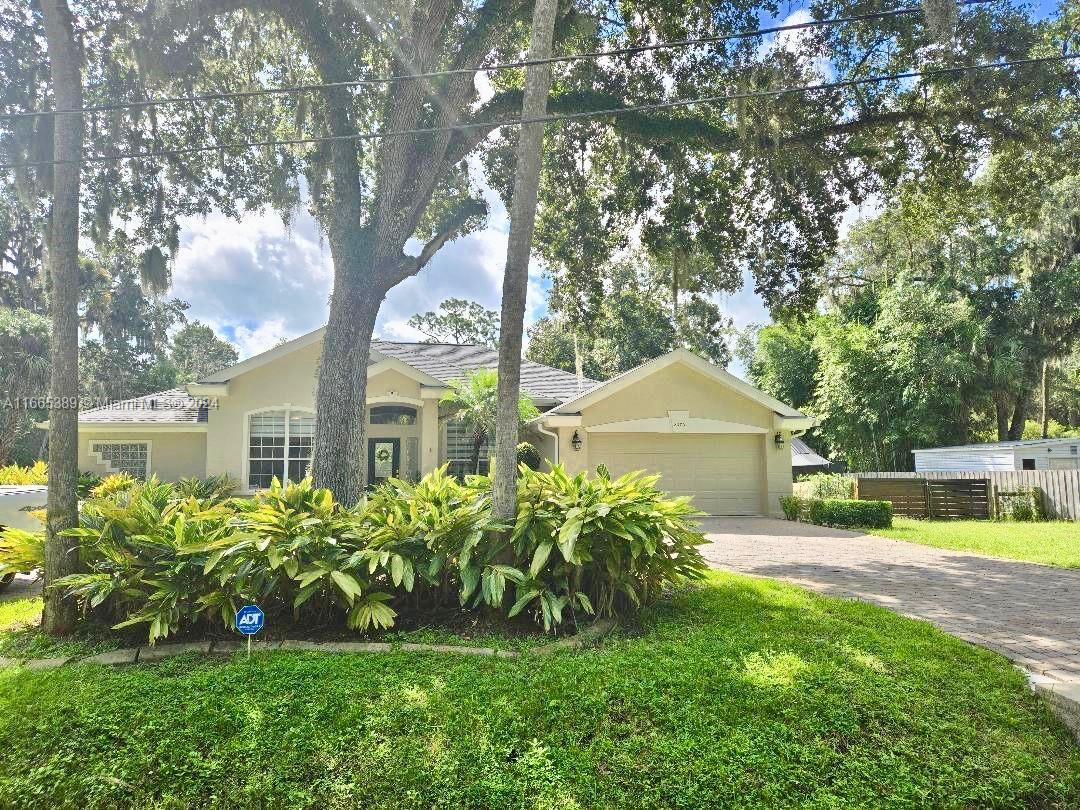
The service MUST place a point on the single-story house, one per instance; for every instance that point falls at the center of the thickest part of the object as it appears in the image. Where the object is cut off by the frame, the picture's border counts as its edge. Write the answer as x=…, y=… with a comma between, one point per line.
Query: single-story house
x=1027, y=454
x=708, y=433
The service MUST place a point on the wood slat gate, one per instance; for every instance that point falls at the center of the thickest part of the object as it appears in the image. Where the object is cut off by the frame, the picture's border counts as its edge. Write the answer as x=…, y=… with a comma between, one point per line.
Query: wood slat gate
x=950, y=498
x=1060, y=488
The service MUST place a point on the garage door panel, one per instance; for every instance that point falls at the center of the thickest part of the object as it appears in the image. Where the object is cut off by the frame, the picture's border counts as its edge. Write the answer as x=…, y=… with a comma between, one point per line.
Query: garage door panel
x=721, y=472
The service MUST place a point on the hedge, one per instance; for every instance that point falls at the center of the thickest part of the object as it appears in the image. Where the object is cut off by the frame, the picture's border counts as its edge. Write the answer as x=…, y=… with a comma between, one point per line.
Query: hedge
x=836, y=512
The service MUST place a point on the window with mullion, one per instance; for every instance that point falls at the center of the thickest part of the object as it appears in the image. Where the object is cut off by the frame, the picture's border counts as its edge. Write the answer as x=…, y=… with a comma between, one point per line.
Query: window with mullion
x=280, y=445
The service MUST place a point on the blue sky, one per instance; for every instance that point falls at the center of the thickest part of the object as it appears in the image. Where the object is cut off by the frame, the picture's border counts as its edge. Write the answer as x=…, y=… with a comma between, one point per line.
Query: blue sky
x=257, y=282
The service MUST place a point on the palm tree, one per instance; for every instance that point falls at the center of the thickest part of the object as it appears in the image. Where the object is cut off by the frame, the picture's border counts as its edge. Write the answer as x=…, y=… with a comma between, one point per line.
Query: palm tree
x=475, y=402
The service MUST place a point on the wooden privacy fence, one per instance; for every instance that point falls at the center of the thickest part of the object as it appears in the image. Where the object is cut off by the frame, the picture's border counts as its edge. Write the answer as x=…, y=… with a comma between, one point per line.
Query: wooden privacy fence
x=1060, y=490
x=924, y=498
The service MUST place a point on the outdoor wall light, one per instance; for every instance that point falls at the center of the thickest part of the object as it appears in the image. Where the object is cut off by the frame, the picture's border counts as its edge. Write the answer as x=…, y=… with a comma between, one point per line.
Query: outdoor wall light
x=778, y=440
x=575, y=440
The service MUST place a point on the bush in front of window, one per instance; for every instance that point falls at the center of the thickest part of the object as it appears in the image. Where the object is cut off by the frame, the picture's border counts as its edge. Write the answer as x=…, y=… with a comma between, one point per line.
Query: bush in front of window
x=173, y=557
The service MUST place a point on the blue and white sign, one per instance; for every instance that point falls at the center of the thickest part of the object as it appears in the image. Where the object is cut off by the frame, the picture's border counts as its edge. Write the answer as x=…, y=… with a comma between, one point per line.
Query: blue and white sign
x=250, y=619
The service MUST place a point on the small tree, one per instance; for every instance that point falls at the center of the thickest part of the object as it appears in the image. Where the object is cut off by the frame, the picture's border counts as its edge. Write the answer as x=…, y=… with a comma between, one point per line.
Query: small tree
x=475, y=402
x=198, y=352
x=459, y=321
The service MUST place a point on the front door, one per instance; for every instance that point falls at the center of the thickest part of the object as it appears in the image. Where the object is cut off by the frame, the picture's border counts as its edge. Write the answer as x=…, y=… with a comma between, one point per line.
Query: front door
x=383, y=460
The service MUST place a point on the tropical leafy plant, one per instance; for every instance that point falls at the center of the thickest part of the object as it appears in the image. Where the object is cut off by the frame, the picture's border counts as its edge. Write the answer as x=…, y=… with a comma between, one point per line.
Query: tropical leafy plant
x=13, y=474
x=172, y=555
x=21, y=551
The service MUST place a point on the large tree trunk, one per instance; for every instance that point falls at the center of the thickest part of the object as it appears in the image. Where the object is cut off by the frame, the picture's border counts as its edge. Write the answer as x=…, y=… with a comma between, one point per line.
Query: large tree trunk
x=519, y=246
x=61, y=553
x=340, y=428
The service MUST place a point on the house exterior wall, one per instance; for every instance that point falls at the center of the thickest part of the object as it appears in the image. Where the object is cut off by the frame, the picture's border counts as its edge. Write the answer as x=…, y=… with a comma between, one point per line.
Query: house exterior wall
x=680, y=388
x=290, y=382
x=173, y=455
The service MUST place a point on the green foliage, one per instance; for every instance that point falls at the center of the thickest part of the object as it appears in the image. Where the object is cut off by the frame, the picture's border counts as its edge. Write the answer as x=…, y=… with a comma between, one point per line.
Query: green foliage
x=198, y=352
x=171, y=556
x=792, y=506
x=839, y=512
x=745, y=692
x=631, y=322
x=21, y=551
x=474, y=402
x=459, y=321
x=1023, y=504
x=37, y=473
x=528, y=455
x=24, y=369
x=824, y=485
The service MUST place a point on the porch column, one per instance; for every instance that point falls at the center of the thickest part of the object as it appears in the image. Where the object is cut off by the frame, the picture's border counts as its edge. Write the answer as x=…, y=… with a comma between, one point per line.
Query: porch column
x=429, y=435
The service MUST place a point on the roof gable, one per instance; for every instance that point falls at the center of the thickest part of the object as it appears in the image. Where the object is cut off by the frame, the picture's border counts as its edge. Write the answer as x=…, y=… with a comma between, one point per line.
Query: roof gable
x=602, y=391
x=430, y=363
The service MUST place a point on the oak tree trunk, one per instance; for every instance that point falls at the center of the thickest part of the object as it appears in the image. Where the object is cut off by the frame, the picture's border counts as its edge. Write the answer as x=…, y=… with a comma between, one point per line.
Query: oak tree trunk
x=340, y=456
x=519, y=245
x=61, y=553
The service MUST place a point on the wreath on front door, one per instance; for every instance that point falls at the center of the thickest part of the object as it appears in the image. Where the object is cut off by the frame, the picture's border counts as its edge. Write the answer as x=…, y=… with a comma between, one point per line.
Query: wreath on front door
x=382, y=455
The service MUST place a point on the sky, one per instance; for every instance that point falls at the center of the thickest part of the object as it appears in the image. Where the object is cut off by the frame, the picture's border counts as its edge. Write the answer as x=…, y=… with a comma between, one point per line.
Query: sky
x=257, y=282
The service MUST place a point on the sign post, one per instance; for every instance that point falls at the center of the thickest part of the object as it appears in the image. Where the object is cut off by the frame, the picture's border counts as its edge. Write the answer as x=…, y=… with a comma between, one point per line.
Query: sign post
x=249, y=621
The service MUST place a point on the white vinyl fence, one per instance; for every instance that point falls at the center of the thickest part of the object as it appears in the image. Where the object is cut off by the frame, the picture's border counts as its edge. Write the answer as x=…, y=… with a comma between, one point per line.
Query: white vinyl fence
x=1060, y=488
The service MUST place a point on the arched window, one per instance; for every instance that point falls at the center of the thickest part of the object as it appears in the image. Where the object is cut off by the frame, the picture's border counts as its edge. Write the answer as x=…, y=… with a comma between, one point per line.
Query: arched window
x=393, y=415
x=280, y=444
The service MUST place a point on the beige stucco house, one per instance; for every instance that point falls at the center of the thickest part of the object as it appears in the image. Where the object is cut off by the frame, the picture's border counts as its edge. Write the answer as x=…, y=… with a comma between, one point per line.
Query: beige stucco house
x=708, y=433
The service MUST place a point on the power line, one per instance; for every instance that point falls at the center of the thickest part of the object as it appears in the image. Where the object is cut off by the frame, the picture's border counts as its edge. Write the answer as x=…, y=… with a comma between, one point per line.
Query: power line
x=661, y=105
x=524, y=63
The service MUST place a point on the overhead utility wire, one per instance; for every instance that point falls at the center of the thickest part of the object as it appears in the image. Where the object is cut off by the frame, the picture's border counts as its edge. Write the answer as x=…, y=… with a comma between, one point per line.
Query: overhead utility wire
x=628, y=50
x=661, y=105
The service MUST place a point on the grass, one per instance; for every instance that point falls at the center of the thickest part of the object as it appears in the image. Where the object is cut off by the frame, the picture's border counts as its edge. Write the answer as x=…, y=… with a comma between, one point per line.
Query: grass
x=744, y=692
x=1054, y=543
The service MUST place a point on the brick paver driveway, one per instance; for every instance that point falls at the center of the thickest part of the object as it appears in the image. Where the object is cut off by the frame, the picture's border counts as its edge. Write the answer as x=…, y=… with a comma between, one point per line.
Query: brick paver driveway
x=1029, y=613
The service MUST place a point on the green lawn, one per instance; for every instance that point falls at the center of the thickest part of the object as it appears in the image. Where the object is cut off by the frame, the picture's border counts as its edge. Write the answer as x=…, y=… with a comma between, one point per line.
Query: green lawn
x=1056, y=543
x=744, y=692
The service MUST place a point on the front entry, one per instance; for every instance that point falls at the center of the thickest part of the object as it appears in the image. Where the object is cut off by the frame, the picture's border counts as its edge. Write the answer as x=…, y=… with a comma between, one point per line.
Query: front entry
x=383, y=460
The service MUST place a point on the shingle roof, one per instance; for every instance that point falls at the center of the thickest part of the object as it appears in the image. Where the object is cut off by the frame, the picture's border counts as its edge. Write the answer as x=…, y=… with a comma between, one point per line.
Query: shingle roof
x=446, y=362
x=174, y=406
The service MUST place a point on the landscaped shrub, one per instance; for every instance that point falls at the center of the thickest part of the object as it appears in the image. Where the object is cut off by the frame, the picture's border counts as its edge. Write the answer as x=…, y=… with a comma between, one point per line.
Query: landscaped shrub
x=528, y=455
x=1025, y=504
x=21, y=551
x=792, y=506
x=840, y=512
x=13, y=474
x=169, y=556
x=824, y=485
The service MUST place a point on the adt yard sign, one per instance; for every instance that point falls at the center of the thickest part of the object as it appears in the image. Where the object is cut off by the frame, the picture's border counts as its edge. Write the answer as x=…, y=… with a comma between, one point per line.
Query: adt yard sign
x=249, y=621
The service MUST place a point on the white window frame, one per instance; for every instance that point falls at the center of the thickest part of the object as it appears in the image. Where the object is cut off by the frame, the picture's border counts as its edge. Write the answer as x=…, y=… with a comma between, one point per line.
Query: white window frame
x=485, y=449
x=288, y=409
x=108, y=465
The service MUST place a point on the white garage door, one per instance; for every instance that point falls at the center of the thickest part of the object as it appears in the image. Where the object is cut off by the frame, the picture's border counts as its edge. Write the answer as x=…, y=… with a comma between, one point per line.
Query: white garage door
x=721, y=471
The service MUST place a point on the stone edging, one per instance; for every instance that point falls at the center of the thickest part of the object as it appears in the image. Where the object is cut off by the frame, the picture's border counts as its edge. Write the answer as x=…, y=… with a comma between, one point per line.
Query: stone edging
x=140, y=655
